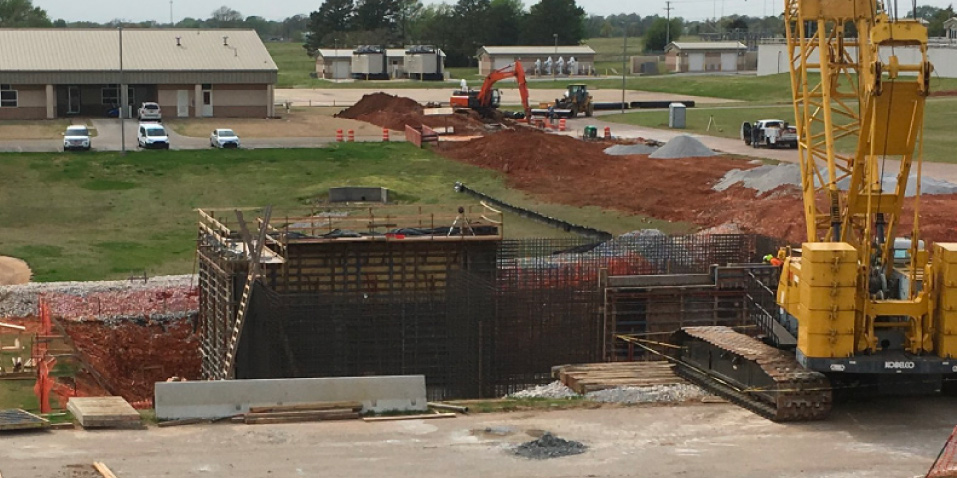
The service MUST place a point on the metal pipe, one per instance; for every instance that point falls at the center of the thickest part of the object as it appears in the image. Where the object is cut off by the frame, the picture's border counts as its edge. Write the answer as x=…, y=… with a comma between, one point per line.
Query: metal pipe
x=446, y=406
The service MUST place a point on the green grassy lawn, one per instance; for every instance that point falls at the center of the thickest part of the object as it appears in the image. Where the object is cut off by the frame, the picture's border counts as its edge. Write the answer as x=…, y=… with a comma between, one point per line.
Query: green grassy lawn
x=102, y=215
x=939, y=144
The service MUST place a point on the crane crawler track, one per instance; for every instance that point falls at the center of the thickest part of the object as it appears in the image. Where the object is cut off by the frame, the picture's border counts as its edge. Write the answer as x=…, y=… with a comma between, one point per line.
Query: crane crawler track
x=749, y=373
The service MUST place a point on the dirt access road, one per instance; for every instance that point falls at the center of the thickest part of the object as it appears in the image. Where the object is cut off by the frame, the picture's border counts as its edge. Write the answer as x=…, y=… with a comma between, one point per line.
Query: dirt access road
x=898, y=438
x=942, y=171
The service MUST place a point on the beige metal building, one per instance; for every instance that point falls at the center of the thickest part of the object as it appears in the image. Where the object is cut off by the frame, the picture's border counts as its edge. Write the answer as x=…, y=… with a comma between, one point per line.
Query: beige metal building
x=684, y=57
x=495, y=57
x=414, y=62
x=55, y=73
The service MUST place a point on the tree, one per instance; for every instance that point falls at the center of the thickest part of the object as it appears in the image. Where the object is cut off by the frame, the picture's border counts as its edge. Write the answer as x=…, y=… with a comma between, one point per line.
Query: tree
x=376, y=14
x=656, y=37
x=472, y=18
x=327, y=23
x=21, y=14
x=739, y=24
x=504, y=22
x=225, y=17
x=554, y=17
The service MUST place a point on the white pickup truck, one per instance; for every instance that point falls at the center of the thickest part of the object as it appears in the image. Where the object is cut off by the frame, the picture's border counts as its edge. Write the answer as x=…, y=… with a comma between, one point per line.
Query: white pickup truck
x=769, y=132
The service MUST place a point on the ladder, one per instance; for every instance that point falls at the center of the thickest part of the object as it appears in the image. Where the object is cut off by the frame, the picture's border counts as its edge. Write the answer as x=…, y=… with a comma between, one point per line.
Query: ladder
x=254, y=252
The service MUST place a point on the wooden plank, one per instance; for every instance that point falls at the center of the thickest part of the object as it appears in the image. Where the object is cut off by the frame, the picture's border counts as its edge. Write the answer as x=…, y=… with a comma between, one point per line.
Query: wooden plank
x=301, y=413
x=103, y=469
x=183, y=421
x=315, y=418
x=426, y=416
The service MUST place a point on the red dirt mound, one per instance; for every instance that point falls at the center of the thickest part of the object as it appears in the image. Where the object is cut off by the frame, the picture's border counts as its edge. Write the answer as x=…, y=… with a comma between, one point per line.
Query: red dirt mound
x=132, y=357
x=568, y=171
x=395, y=112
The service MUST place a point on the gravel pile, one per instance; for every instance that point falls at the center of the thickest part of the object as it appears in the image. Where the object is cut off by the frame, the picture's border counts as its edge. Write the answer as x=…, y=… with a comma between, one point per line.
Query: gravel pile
x=629, y=149
x=762, y=178
x=766, y=178
x=549, y=446
x=681, y=147
x=555, y=389
x=21, y=300
x=654, y=394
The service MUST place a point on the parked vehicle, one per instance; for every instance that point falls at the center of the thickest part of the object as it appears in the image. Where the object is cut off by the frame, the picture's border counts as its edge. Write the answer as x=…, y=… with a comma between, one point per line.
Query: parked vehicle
x=76, y=137
x=223, y=138
x=769, y=132
x=150, y=112
x=152, y=135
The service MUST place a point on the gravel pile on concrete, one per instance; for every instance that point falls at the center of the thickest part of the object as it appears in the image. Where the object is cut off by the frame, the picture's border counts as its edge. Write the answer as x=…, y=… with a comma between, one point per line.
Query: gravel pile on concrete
x=21, y=300
x=681, y=147
x=555, y=389
x=549, y=446
x=653, y=394
x=629, y=149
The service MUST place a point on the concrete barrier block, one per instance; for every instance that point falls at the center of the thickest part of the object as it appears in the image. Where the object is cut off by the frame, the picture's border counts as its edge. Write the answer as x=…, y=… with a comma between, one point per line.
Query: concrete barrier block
x=226, y=398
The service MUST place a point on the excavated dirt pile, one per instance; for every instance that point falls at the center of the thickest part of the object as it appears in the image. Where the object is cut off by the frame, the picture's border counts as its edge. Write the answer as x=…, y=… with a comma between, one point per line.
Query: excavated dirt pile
x=568, y=171
x=132, y=356
x=395, y=112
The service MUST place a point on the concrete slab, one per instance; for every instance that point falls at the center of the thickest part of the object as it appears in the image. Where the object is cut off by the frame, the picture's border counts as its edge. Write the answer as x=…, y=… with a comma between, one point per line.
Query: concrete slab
x=103, y=412
x=220, y=399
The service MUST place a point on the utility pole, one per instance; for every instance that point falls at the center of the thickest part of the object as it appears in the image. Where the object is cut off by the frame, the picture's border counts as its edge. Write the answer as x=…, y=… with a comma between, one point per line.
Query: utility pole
x=124, y=98
x=668, y=9
x=624, y=58
x=171, y=13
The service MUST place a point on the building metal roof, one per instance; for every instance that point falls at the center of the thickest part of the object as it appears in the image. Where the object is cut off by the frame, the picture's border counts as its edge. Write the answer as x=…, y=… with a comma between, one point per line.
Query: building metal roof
x=153, y=49
x=346, y=53
x=564, y=50
x=706, y=46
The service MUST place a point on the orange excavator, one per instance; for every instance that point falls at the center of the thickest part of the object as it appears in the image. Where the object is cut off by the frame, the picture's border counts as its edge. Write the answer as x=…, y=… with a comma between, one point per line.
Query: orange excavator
x=488, y=98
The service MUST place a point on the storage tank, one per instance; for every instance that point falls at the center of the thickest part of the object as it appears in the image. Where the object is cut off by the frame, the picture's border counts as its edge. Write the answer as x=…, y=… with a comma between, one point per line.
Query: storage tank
x=369, y=62
x=424, y=62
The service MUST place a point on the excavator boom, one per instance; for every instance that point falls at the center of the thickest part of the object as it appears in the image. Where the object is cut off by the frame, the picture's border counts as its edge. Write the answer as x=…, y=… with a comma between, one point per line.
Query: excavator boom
x=485, y=98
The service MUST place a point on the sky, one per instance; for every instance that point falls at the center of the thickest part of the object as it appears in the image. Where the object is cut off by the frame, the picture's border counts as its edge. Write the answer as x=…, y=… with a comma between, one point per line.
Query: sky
x=141, y=10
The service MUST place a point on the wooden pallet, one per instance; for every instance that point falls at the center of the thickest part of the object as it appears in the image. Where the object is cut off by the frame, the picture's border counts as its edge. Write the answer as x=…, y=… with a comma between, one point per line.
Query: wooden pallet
x=104, y=412
x=584, y=378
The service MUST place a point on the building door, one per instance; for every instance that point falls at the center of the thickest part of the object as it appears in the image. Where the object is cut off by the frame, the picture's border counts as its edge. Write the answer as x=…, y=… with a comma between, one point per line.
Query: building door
x=729, y=62
x=695, y=61
x=207, y=110
x=182, y=103
x=73, y=101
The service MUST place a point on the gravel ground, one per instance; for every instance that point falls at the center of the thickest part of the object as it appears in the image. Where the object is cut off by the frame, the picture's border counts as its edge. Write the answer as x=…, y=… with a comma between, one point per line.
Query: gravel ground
x=549, y=446
x=768, y=177
x=653, y=394
x=629, y=149
x=21, y=300
x=555, y=389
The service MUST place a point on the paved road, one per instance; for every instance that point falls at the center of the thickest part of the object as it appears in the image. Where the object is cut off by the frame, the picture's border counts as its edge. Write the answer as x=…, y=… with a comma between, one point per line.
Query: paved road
x=874, y=439
x=941, y=171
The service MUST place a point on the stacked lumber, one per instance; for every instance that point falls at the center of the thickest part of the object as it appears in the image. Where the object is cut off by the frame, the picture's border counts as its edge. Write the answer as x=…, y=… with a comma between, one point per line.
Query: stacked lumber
x=584, y=378
x=303, y=412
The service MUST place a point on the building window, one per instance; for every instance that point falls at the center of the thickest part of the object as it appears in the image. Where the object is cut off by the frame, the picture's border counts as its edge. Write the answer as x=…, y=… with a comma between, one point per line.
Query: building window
x=8, y=97
x=111, y=95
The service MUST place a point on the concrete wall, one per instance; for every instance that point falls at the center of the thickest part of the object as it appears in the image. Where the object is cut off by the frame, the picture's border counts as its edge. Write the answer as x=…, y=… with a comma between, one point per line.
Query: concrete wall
x=359, y=194
x=219, y=399
x=773, y=59
x=31, y=103
x=334, y=69
x=167, y=97
x=240, y=101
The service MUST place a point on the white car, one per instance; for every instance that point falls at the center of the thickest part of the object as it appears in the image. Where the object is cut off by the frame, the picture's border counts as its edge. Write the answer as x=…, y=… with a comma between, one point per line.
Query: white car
x=150, y=112
x=152, y=135
x=76, y=137
x=223, y=138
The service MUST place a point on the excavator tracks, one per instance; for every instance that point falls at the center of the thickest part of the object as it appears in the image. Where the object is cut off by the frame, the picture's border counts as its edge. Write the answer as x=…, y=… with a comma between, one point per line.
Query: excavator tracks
x=749, y=373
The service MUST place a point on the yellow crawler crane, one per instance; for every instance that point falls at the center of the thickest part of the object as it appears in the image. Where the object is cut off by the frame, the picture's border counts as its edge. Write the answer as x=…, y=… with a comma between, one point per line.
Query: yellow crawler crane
x=860, y=299
x=858, y=305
